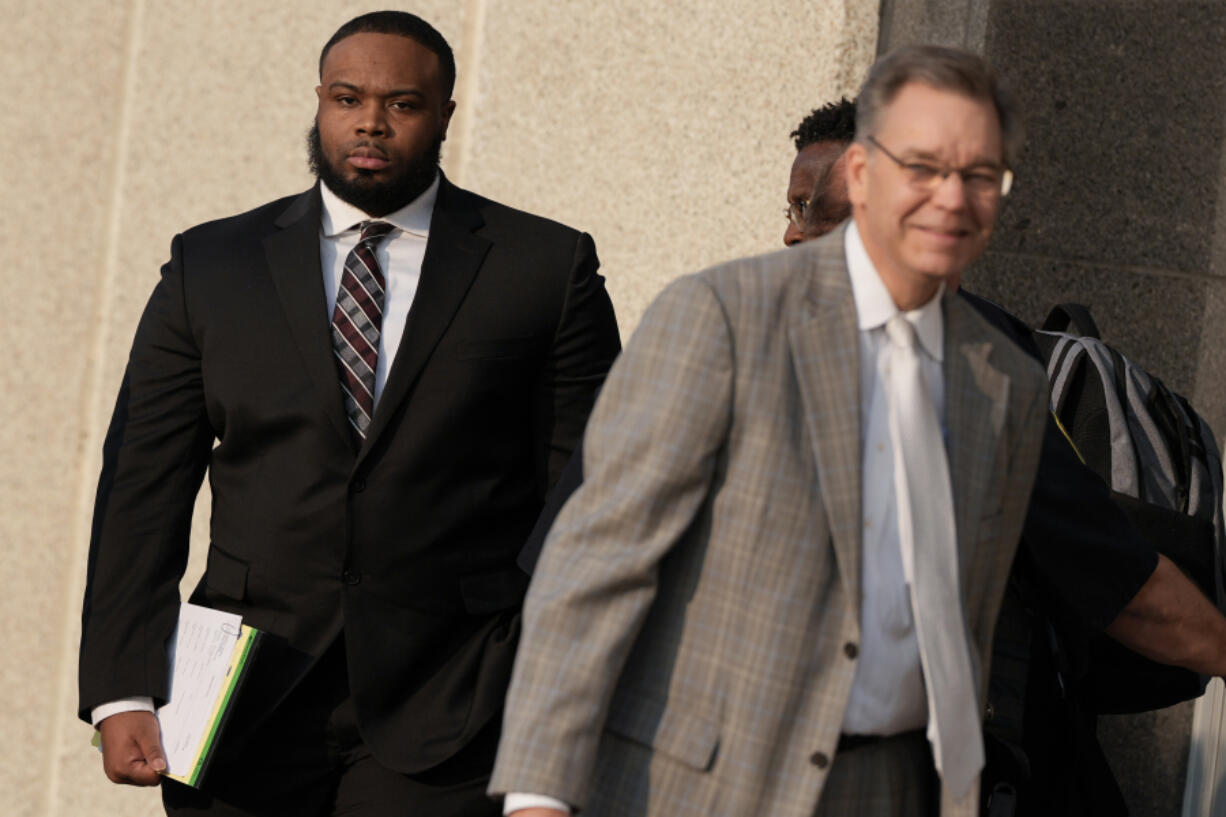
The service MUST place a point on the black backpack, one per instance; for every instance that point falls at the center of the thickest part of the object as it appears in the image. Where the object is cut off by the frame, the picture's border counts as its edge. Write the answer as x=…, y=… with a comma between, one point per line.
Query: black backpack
x=1161, y=461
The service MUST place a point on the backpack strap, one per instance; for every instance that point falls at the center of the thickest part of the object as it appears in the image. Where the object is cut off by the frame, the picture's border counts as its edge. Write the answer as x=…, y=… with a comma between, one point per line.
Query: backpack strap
x=1125, y=466
x=1061, y=361
x=1169, y=406
x=1076, y=316
x=1119, y=374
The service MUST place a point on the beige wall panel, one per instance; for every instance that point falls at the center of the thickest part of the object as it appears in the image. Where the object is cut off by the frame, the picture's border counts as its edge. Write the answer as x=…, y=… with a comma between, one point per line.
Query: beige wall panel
x=57, y=148
x=661, y=128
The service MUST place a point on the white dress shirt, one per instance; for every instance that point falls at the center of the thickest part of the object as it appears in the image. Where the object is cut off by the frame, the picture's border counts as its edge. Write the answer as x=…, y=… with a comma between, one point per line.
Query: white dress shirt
x=399, y=255
x=887, y=692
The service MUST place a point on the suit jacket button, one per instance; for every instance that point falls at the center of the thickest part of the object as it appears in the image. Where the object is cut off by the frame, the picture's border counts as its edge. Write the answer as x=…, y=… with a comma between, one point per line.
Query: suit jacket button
x=851, y=650
x=351, y=577
x=819, y=760
x=359, y=485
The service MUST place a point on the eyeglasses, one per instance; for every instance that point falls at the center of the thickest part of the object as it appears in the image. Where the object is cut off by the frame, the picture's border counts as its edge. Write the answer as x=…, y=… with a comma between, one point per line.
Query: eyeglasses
x=980, y=181
x=817, y=216
x=795, y=212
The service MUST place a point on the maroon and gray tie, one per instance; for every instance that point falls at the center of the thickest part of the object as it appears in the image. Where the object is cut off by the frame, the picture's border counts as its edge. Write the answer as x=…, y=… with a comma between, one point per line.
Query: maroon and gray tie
x=356, y=323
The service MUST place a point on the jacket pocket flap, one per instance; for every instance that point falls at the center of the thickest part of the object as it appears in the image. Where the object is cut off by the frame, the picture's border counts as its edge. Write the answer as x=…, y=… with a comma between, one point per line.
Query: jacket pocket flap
x=226, y=574
x=686, y=736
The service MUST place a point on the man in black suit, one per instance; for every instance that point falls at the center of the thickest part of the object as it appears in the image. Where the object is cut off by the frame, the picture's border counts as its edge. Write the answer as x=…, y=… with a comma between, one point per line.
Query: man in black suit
x=383, y=376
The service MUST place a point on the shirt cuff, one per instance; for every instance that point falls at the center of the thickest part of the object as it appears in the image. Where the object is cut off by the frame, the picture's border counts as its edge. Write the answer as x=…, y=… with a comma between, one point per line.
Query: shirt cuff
x=137, y=703
x=519, y=800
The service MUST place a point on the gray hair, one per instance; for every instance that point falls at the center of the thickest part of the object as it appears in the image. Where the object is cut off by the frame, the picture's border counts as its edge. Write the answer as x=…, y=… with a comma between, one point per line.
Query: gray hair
x=946, y=69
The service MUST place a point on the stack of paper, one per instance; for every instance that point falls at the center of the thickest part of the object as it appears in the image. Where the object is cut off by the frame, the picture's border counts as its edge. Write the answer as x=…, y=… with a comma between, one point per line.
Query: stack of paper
x=209, y=653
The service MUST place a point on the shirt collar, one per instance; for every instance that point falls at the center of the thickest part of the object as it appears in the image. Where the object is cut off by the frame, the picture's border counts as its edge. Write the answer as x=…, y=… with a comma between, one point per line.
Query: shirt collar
x=874, y=306
x=340, y=216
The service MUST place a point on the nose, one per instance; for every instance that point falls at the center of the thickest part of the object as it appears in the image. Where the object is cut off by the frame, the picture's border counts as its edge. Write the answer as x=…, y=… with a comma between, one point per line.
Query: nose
x=792, y=235
x=373, y=121
x=950, y=192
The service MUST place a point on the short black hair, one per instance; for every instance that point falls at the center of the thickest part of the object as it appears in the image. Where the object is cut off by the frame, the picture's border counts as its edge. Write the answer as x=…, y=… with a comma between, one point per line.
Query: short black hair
x=833, y=122
x=402, y=24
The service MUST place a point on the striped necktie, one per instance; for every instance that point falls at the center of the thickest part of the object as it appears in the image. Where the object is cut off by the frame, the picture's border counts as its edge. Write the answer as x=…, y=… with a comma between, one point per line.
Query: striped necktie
x=356, y=323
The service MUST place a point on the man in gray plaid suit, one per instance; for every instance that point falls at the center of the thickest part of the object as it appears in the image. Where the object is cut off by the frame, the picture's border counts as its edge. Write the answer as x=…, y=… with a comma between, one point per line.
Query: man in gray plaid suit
x=724, y=620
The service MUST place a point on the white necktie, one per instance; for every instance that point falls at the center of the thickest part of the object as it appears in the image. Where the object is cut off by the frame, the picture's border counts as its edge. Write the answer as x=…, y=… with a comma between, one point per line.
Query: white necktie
x=930, y=563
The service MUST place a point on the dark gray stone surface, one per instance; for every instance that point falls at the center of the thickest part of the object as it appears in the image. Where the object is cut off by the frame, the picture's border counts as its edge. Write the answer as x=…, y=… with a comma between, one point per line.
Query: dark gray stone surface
x=1125, y=105
x=960, y=23
x=1120, y=203
x=1156, y=320
x=1209, y=396
x=1151, y=775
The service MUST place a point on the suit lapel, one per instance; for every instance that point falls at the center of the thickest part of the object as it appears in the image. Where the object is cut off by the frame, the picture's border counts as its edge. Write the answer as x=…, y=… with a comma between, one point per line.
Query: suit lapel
x=453, y=255
x=826, y=353
x=293, y=261
x=976, y=396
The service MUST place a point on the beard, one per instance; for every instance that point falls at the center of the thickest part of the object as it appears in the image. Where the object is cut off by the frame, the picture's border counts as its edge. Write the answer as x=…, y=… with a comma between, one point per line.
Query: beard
x=373, y=196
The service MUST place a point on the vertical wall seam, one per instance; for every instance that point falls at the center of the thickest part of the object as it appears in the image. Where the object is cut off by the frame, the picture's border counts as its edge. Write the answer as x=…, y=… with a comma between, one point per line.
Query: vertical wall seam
x=976, y=27
x=855, y=56
x=885, y=25
x=468, y=87
x=89, y=417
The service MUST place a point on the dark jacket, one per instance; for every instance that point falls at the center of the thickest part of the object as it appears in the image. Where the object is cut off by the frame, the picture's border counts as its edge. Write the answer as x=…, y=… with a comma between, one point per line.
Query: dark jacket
x=405, y=546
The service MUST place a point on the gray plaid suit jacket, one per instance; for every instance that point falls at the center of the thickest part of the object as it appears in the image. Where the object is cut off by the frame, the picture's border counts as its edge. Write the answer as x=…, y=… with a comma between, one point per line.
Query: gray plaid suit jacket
x=684, y=634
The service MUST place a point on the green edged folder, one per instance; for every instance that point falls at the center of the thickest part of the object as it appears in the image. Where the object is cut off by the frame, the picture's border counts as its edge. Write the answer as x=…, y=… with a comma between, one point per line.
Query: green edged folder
x=197, y=762
x=210, y=654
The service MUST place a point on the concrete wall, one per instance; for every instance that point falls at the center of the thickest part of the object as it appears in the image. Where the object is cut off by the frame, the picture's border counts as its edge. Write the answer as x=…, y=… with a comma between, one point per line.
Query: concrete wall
x=661, y=128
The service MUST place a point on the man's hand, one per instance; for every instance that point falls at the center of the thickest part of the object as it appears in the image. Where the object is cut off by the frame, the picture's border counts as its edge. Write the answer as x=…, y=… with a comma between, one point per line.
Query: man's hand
x=132, y=748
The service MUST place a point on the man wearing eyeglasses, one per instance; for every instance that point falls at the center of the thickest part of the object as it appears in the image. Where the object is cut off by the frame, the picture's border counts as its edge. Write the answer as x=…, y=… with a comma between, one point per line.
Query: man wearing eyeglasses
x=819, y=174
x=1085, y=566
x=765, y=599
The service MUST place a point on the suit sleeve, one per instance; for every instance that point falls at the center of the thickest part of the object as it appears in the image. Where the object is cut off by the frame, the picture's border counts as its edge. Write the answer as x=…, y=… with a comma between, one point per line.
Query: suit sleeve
x=650, y=453
x=567, y=484
x=153, y=460
x=1080, y=544
x=583, y=348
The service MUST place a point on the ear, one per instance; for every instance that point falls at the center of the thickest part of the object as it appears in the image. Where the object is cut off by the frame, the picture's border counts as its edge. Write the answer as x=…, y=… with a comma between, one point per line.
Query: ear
x=319, y=94
x=448, y=110
x=857, y=173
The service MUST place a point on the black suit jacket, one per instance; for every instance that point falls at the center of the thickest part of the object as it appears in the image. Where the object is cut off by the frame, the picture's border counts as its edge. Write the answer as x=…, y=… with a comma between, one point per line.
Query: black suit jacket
x=406, y=545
